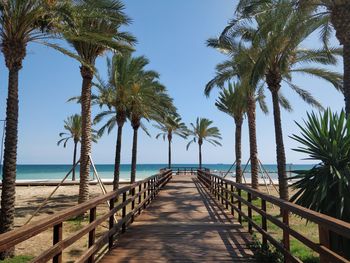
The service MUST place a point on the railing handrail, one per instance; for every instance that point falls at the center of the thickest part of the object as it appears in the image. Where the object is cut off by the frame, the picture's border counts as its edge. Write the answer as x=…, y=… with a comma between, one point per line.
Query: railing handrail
x=25, y=232
x=334, y=224
x=326, y=224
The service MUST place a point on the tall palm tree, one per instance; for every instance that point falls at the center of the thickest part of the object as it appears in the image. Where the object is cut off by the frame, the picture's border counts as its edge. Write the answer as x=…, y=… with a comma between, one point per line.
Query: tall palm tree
x=241, y=62
x=94, y=31
x=333, y=15
x=171, y=125
x=124, y=72
x=21, y=22
x=232, y=101
x=203, y=131
x=280, y=56
x=73, y=125
x=149, y=101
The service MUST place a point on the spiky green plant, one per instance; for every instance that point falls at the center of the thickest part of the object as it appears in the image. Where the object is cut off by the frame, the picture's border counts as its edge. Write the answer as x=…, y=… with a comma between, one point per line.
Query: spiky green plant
x=203, y=131
x=325, y=138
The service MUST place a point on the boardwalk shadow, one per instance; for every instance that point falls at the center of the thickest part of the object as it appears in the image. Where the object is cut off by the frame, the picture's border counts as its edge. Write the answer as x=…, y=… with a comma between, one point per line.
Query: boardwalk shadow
x=184, y=224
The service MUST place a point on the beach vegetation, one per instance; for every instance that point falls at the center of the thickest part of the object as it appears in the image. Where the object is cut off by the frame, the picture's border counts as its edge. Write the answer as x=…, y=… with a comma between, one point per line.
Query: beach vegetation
x=325, y=138
x=202, y=130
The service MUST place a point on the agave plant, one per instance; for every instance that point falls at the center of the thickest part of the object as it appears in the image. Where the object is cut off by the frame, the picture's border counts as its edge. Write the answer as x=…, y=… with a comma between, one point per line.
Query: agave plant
x=325, y=187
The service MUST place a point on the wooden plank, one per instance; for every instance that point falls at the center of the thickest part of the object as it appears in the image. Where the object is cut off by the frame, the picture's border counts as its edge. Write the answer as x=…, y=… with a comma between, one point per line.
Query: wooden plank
x=183, y=224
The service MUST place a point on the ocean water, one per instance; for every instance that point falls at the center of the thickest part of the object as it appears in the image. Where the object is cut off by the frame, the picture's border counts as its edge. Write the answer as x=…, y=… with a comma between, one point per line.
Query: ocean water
x=105, y=171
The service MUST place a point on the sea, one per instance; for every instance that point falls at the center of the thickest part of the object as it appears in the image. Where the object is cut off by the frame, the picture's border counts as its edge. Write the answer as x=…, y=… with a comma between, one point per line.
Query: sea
x=105, y=171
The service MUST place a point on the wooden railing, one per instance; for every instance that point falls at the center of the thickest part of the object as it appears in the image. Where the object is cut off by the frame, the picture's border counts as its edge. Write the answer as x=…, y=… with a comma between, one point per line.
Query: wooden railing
x=132, y=200
x=191, y=170
x=231, y=196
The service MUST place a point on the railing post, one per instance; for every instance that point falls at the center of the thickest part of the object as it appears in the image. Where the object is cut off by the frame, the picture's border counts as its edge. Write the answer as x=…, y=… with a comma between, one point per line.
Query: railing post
x=124, y=213
x=286, y=241
x=324, y=239
x=232, y=201
x=57, y=237
x=222, y=191
x=226, y=195
x=111, y=223
x=263, y=222
x=239, y=191
x=140, y=197
x=148, y=191
x=92, y=234
x=250, y=227
x=132, y=203
x=144, y=194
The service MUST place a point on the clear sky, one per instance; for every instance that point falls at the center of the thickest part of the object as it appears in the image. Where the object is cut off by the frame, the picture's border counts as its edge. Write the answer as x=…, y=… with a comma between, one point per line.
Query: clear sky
x=172, y=35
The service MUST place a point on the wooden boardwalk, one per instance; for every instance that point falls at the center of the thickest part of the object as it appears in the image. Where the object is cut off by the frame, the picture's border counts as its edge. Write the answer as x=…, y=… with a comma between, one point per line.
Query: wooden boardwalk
x=183, y=224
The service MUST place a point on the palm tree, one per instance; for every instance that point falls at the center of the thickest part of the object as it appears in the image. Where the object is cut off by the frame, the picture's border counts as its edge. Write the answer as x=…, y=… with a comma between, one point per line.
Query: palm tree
x=94, y=31
x=232, y=101
x=332, y=15
x=124, y=72
x=240, y=63
x=280, y=56
x=73, y=125
x=148, y=100
x=171, y=125
x=21, y=22
x=202, y=131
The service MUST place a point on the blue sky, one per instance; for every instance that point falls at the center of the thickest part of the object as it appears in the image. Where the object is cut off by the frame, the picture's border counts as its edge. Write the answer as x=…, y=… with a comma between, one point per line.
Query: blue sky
x=172, y=35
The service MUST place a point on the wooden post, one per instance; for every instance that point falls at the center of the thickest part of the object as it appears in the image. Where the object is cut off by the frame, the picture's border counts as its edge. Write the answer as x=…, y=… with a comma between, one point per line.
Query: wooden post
x=140, y=197
x=57, y=237
x=264, y=223
x=148, y=190
x=92, y=234
x=124, y=213
x=250, y=227
x=286, y=241
x=324, y=239
x=132, y=203
x=232, y=201
x=144, y=194
x=111, y=224
x=222, y=191
x=226, y=195
x=239, y=206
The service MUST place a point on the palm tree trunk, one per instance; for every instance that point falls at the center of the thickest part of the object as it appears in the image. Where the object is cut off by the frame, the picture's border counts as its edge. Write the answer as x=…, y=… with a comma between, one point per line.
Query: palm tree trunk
x=117, y=158
x=252, y=141
x=200, y=155
x=340, y=18
x=238, y=149
x=134, y=155
x=169, y=151
x=346, y=59
x=85, y=149
x=281, y=155
x=74, y=159
x=8, y=193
